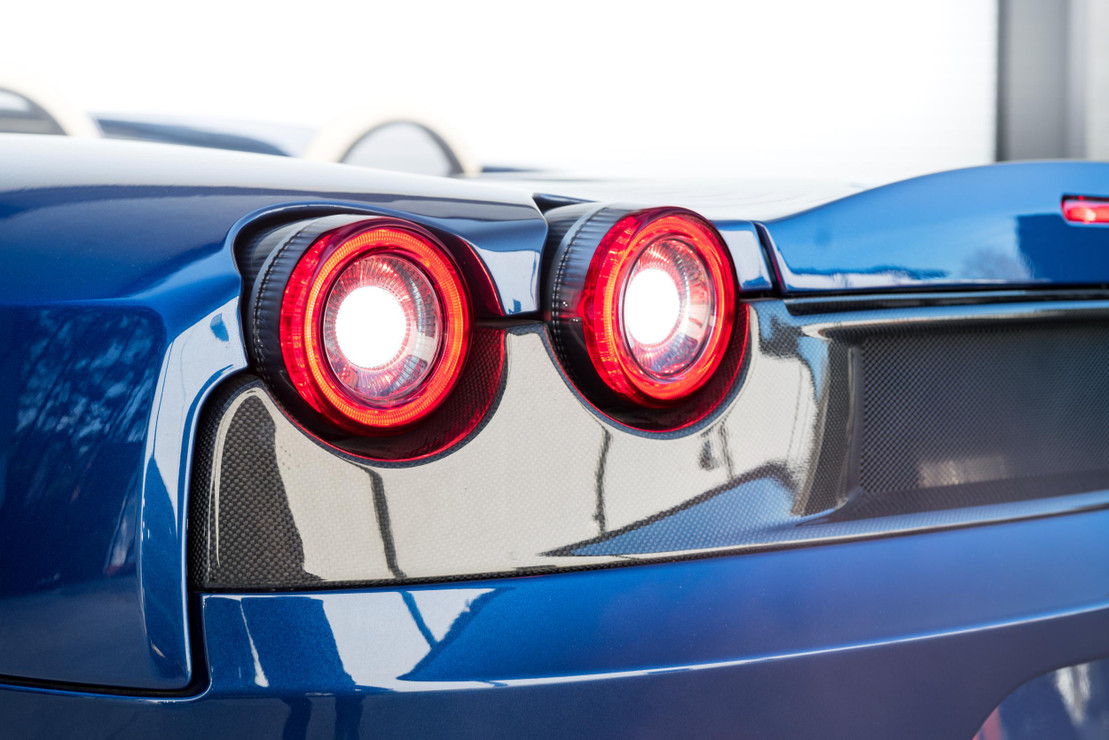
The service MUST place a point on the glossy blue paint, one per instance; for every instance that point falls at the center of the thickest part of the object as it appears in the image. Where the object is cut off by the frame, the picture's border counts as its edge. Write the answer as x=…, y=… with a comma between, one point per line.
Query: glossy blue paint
x=1000, y=225
x=751, y=268
x=103, y=397
x=119, y=310
x=1071, y=703
x=177, y=197
x=919, y=636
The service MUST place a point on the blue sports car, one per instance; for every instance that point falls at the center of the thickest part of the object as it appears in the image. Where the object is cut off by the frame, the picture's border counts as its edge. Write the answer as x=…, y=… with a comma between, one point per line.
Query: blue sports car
x=298, y=449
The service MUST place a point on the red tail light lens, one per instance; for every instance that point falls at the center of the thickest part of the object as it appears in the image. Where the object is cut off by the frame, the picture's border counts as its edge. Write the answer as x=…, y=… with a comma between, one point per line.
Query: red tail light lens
x=1083, y=210
x=661, y=298
x=375, y=323
x=382, y=328
x=653, y=302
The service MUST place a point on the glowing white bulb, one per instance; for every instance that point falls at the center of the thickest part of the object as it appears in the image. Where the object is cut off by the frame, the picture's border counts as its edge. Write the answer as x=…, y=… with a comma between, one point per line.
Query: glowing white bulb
x=652, y=306
x=370, y=326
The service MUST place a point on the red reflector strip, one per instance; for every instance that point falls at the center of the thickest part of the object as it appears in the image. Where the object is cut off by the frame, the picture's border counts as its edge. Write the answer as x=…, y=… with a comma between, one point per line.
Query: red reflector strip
x=1083, y=210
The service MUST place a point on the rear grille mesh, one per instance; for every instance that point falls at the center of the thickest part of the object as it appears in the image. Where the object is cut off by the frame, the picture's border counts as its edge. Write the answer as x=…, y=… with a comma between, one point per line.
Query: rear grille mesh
x=971, y=406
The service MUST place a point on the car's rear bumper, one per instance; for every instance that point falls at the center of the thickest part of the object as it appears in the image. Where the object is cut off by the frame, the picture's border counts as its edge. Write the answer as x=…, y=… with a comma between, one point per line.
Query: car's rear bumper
x=913, y=636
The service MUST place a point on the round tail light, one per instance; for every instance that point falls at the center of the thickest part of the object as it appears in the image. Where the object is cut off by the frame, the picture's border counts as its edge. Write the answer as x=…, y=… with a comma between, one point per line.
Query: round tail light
x=374, y=325
x=649, y=297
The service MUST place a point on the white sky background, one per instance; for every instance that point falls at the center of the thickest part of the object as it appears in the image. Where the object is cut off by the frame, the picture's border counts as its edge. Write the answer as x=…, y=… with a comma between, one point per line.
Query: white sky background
x=861, y=89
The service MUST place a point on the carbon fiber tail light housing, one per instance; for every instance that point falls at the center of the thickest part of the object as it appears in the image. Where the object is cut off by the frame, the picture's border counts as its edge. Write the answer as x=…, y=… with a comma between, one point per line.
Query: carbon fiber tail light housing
x=571, y=308
x=270, y=260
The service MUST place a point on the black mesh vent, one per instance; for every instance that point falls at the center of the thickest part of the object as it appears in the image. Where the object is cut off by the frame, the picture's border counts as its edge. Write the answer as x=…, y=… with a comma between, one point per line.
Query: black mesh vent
x=956, y=408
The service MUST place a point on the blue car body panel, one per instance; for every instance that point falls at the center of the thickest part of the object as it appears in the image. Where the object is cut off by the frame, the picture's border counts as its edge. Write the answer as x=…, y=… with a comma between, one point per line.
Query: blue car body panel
x=119, y=311
x=1067, y=704
x=911, y=637
x=993, y=226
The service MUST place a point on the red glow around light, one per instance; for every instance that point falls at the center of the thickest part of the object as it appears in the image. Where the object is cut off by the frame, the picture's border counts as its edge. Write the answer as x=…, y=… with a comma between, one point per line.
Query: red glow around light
x=1084, y=210
x=624, y=367
x=301, y=331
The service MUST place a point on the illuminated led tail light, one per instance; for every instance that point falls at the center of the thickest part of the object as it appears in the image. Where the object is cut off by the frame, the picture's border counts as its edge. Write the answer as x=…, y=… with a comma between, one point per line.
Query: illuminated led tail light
x=651, y=300
x=374, y=325
x=1085, y=210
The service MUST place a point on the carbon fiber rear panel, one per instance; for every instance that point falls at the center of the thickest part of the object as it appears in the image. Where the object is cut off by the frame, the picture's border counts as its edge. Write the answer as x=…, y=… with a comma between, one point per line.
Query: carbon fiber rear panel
x=841, y=425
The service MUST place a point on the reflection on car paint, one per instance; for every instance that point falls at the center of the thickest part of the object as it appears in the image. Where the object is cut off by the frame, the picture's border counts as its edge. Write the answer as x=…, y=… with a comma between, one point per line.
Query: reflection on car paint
x=73, y=427
x=1071, y=703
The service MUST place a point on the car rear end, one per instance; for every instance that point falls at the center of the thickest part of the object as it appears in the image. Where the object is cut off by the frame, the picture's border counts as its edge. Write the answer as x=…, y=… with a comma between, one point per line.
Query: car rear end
x=843, y=475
